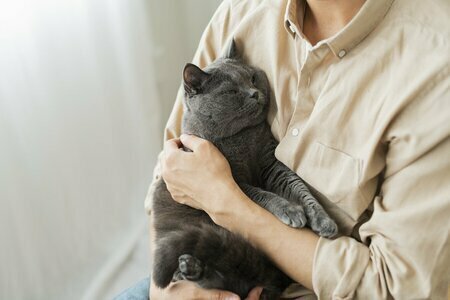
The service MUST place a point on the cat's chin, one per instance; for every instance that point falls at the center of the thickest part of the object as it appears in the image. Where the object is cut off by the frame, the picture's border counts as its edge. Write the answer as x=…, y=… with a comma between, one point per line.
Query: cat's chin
x=262, y=101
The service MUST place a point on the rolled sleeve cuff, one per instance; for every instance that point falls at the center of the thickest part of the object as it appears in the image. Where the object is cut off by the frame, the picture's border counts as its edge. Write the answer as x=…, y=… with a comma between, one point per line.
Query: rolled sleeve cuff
x=338, y=267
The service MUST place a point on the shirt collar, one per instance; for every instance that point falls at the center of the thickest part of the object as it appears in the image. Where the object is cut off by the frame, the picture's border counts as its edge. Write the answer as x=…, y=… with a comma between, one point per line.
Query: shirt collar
x=364, y=22
x=290, y=20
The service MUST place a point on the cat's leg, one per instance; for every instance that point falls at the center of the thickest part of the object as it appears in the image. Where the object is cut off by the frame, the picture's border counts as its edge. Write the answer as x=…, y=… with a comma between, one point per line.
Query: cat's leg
x=193, y=253
x=172, y=263
x=320, y=222
x=283, y=181
x=289, y=213
x=215, y=258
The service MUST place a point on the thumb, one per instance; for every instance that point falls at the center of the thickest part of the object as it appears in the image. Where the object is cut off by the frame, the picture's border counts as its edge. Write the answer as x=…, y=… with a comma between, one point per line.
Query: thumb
x=255, y=293
x=191, y=141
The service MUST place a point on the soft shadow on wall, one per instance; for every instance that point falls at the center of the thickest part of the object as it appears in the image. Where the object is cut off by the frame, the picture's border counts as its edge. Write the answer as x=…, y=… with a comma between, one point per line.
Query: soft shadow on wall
x=85, y=88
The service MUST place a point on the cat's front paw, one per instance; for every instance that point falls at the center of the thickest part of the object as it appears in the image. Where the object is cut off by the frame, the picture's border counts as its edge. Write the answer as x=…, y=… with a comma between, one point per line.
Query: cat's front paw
x=327, y=227
x=291, y=215
x=190, y=267
x=320, y=222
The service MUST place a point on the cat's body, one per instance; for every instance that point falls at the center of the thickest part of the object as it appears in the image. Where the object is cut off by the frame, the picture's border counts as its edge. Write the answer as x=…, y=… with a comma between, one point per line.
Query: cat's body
x=228, y=105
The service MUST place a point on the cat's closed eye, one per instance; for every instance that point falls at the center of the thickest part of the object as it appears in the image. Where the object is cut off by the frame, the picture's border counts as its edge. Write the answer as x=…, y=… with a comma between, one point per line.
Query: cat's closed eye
x=228, y=92
x=233, y=92
x=254, y=79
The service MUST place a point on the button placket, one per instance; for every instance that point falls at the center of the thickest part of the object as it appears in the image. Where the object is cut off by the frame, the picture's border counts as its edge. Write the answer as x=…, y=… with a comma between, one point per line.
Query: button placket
x=303, y=60
x=304, y=106
x=305, y=103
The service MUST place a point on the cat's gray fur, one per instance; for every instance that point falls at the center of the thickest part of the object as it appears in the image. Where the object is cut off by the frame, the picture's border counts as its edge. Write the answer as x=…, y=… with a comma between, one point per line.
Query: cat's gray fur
x=227, y=104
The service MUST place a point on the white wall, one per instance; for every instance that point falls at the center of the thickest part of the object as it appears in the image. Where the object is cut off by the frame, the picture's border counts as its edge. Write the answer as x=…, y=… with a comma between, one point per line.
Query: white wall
x=177, y=25
x=85, y=86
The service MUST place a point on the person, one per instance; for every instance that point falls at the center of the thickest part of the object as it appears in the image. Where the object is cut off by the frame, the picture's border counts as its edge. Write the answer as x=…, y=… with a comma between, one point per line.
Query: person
x=361, y=108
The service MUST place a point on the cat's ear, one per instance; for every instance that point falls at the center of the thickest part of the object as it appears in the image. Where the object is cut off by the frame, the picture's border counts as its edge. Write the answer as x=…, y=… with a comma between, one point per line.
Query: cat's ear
x=232, y=51
x=193, y=79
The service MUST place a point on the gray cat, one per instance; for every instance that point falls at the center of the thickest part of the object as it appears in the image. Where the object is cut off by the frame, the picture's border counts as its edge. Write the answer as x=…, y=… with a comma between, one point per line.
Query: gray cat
x=227, y=104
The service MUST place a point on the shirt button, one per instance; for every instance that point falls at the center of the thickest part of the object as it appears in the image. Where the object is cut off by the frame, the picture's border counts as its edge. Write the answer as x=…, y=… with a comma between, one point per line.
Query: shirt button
x=342, y=53
x=295, y=131
x=292, y=28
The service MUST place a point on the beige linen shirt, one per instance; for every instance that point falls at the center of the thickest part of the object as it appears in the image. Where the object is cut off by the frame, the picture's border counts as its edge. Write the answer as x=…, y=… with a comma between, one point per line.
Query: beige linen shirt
x=364, y=118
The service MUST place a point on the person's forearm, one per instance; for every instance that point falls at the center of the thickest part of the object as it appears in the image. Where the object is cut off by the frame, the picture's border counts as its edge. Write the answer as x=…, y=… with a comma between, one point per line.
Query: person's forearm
x=292, y=250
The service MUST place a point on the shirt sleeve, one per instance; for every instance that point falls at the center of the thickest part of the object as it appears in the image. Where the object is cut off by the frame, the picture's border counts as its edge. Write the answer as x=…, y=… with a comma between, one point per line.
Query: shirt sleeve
x=216, y=35
x=404, y=253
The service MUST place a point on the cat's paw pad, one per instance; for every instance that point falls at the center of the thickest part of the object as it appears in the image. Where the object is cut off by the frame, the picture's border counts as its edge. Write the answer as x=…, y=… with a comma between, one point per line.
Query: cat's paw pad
x=190, y=267
x=177, y=276
x=327, y=228
x=292, y=215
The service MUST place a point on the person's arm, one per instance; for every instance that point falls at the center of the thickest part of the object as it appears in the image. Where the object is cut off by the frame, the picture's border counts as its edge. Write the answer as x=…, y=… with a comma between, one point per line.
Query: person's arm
x=405, y=251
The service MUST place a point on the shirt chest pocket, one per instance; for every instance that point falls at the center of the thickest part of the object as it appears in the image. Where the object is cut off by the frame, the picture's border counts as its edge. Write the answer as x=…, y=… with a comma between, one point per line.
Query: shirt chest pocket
x=336, y=175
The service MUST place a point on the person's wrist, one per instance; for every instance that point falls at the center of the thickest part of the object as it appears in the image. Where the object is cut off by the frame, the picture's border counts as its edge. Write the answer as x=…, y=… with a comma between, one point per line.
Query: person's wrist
x=230, y=202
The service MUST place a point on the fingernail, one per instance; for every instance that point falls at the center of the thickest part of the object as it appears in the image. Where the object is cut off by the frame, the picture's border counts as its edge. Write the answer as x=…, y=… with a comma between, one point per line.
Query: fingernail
x=232, y=297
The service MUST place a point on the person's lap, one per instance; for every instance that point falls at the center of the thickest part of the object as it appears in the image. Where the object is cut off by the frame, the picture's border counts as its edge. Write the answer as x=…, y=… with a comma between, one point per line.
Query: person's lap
x=139, y=291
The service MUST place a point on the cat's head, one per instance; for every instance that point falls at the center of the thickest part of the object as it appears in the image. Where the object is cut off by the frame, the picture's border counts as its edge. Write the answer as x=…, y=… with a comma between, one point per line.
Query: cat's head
x=225, y=97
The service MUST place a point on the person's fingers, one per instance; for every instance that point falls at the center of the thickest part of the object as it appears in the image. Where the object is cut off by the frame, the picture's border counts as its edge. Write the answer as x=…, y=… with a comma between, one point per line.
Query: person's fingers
x=171, y=155
x=172, y=144
x=188, y=290
x=255, y=293
x=193, y=142
x=216, y=295
x=183, y=198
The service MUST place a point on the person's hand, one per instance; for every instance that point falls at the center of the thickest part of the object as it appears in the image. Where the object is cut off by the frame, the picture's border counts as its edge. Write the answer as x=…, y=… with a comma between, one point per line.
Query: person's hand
x=196, y=178
x=189, y=290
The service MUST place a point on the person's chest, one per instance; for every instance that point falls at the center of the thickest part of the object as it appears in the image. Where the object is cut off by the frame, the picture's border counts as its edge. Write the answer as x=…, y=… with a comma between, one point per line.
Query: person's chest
x=329, y=115
x=333, y=113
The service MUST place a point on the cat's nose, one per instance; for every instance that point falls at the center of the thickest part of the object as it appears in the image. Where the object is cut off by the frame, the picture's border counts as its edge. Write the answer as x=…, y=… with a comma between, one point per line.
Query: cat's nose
x=254, y=94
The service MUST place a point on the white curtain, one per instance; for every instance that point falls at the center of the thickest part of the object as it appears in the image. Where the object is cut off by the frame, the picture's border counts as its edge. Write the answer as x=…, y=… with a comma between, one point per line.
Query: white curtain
x=85, y=88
